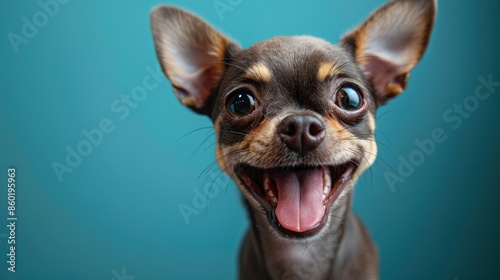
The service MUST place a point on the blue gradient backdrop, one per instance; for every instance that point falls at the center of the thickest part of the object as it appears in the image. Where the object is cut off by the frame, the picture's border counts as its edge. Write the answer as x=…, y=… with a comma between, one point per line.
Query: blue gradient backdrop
x=116, y=214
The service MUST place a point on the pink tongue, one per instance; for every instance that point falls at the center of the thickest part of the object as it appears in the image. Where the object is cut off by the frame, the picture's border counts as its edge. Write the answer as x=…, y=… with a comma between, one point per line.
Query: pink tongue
x=300, y=199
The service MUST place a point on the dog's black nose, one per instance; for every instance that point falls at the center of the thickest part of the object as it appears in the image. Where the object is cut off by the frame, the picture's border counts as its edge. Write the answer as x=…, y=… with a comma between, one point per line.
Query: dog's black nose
x=301, y=133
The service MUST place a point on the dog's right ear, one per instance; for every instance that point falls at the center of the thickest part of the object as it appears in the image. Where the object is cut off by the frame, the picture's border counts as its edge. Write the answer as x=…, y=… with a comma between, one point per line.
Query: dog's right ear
x=191, y=54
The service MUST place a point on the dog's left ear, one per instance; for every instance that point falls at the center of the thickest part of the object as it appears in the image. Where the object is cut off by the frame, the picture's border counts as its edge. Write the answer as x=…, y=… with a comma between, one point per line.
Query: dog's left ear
x=391, y=42
x=191, y=54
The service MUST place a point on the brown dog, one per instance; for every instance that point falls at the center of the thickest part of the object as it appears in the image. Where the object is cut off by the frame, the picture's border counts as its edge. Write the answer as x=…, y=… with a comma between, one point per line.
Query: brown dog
x=295, y=122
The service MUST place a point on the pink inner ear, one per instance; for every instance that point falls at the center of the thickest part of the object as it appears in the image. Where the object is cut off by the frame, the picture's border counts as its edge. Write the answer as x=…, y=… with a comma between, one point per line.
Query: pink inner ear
x=193, y=88
x=384, y=75
x=391, y=42
x=190, y=52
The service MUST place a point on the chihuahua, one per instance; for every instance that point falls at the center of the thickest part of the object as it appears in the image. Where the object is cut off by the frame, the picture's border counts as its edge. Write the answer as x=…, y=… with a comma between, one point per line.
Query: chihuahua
x=295, y=120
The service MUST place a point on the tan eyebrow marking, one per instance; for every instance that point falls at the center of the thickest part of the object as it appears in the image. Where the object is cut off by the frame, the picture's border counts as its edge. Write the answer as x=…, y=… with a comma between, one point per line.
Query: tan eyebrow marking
x=258, y=72
x=325, y=70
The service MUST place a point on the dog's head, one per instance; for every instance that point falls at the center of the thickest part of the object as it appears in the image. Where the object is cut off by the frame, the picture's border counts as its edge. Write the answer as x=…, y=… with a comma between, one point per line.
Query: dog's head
x=294, y=116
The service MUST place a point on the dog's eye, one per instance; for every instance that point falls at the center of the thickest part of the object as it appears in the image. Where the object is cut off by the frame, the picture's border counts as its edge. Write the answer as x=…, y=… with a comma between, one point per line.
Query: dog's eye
x=348, y=98
x=241, y=103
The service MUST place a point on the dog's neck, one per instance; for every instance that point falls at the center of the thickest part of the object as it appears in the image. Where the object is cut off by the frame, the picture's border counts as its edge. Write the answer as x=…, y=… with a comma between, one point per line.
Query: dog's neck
x=267, y=255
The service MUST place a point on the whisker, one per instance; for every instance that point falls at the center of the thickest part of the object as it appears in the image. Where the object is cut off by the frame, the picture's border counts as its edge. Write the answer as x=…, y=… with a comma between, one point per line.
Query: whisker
x=385, y=136
x=383, y=115
x=193, y=131
x=242, y=66
x=219, y=159
x=200, y=145
x=367, y=162
x=351, y=61
x=369, y=138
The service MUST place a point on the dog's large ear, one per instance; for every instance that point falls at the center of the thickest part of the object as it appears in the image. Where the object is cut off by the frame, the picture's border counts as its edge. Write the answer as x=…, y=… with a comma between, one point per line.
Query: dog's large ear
x=191, y=54
x=391, y=42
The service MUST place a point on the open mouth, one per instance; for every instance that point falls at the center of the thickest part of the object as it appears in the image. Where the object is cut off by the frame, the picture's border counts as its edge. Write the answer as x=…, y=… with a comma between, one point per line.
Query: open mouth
x=297, y=199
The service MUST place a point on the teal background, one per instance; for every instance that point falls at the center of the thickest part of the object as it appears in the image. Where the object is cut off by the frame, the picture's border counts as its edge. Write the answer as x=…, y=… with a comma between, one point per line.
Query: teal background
x=118, y=209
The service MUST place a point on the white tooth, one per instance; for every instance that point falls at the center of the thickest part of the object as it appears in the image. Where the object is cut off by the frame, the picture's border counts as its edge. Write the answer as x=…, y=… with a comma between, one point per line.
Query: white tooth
x=344, y=178
x=267, y=189
x=267, y=182
x=327, y=181
x=271, y=197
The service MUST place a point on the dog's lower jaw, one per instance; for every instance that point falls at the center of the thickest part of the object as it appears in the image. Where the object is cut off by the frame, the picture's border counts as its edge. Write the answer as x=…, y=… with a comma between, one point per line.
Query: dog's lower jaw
x=343, y=250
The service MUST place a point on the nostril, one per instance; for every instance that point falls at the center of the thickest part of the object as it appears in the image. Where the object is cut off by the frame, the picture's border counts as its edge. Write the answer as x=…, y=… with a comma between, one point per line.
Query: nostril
x=316, y=129
x=290, y=129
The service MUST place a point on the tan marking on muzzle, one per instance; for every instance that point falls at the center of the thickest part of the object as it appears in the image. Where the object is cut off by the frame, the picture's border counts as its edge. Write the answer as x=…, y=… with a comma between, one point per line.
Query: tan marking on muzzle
x=219, y=153
x=255, y=148
x=369, y=146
